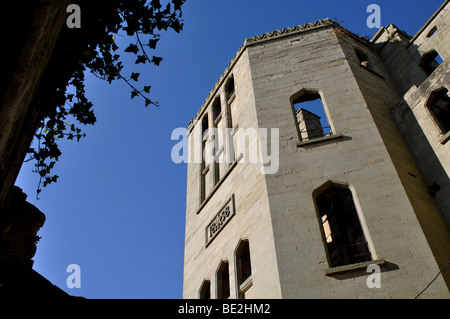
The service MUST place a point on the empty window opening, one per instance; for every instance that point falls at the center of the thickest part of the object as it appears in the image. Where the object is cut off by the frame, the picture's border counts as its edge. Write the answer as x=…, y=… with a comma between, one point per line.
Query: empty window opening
x=430, y=62
x=231, y=119
x=244, y=268
x=205, y=127
x=229, y=88
x=432, y=31
x=311, y=118
x=362, y=58
x=344, y=237
x=223, y=281
x=439, y=106
x=205, y=290
x=203, y=170
x=216, y=110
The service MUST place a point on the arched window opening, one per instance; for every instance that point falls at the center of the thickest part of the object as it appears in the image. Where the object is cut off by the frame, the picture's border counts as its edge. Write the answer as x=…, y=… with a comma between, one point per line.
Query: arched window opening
x=310, y=116
x=223, y=281
x=244, y=268
x=216, y=110
x=230, y=89
x=205, y=290
x=439, y=106
x=430, y=62
x=232, y=118
x=203, y=168
x=342, y=231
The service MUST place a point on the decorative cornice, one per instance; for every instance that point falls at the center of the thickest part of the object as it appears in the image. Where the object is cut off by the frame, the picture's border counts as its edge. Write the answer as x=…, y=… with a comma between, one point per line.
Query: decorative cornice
x=289, y=31
x=254, y=40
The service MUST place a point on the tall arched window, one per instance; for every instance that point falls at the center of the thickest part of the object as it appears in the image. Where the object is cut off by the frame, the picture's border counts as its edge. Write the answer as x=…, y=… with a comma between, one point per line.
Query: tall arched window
x=345, y=240
x=203, y=167
x=232, y=117
x=216, y=111
x=229, y=88
x=310, y=115
x=243, y=267
x=439, y=106
x=205, y=290
x=223, y=281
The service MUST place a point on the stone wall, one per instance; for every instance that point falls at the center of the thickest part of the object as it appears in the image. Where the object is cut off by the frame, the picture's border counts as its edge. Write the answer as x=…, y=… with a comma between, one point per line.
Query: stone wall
x=252, y=216
x=367, y=152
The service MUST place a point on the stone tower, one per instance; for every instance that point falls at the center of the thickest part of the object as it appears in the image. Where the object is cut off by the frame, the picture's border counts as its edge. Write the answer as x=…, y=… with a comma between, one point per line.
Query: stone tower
x=358, y=181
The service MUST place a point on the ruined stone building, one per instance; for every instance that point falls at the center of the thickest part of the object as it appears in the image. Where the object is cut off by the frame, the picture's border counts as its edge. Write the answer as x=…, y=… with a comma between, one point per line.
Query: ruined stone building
x=362, y=133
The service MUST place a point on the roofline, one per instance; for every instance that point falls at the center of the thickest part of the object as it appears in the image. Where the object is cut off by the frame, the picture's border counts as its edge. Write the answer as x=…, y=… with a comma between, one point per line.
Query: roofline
x=428, y=22
x=277, y=34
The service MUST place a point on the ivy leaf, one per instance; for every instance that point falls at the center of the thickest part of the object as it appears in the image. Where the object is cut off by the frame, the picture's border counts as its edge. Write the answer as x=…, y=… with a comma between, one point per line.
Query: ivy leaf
x=134, y=93
x=152, y=43
x=99, y=52
x=80, y=136
x=132, y=48
x=156, y=60
x=140, y=59
x=49, y=180
x=134, y=76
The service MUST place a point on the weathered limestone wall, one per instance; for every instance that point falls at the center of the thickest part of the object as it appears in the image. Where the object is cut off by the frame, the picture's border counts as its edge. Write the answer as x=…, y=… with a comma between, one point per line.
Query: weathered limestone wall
x=315, y=60
x=427, y=143
x=380, y=97
x=252, y=219
x=382, y=147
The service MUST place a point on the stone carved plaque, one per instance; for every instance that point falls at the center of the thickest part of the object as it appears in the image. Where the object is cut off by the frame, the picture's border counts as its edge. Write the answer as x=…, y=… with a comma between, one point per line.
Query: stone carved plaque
x=220, y=220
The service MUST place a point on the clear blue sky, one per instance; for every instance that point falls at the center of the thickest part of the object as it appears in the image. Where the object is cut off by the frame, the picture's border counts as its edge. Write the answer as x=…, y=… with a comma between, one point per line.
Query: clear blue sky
x=118, y=209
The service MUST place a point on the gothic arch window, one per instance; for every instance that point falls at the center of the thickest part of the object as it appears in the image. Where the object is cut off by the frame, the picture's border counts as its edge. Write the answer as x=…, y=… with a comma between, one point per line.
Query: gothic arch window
x=243, y=268
x=205, y=290
x=430, y=62
x=341, y=226
x=310, y=116
x=223, y=281
x=438, y=105
x=217, y=109
x=230, y=89
x=203, y=167
x=231, y=118
x=217, y=116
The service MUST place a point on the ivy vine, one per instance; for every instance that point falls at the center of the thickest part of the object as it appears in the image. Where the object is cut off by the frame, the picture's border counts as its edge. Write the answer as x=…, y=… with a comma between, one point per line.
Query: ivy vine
x=93, y=48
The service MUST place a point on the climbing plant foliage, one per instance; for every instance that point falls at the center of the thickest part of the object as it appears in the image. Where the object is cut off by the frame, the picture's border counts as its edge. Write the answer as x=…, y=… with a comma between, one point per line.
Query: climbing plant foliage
x=93, y=48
